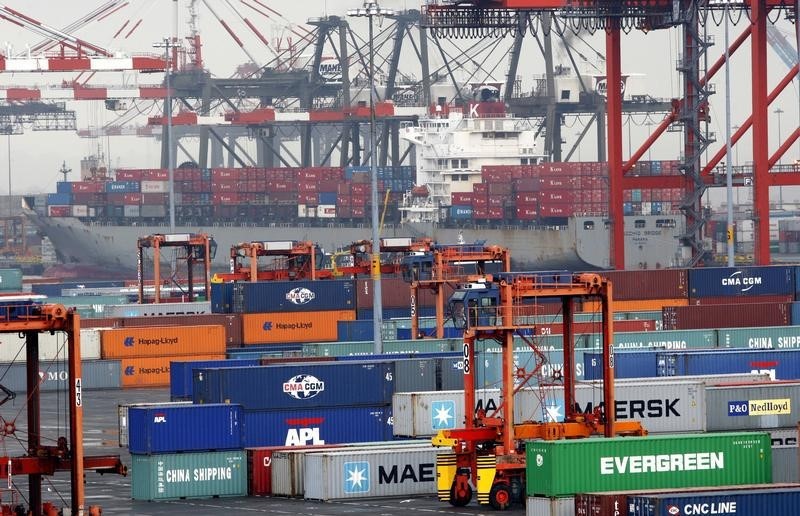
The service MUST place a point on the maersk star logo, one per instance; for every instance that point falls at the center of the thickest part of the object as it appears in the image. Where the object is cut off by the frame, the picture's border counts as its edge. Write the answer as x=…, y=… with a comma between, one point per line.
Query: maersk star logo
x=554, y=413
x=443, y=414
x=356, y=477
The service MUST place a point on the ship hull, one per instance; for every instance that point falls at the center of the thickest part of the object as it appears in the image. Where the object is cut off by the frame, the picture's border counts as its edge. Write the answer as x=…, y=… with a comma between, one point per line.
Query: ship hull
x=581, y=245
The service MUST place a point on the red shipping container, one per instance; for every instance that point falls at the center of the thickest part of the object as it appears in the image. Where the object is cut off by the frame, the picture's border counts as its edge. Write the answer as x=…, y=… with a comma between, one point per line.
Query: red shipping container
x=88, y=187
x=556, y=210
x=526, y=198
x=344, y=200
x=329, y=186
x=496, y=200
x=500, y=189
x=462, y=198
x=281, y=186
x=344, y=212
x=224, y=186
x=155, y=198
x=115, y=198
x=125, y=174
x=359, y=200
x=132, y=198
x=309, y=199
x=549, y=183
x=259, y=466
x=480, y=188
x=480, y=202
x=557, y=196
x=528, y=184
x=724, y=300
x=494, y=213
x=156, y=174
x=358, y=212
x=308, y=187
x=527, y=213
x=219, y=199
x=359, y=189
x=59, y=211
x=739, y=315
x=661, y=284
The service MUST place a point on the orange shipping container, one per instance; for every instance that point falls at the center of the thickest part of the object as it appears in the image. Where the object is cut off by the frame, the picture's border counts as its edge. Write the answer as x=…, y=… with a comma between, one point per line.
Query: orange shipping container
x=284, y=327
x=152, y=371
x=162, y=341
x=642, y=305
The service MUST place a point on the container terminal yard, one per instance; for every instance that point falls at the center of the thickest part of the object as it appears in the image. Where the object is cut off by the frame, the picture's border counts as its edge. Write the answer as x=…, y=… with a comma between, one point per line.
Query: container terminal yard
x=354, y=286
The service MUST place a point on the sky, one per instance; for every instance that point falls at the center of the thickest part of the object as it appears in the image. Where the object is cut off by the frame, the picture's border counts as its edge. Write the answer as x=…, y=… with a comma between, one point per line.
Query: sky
x=36, y=156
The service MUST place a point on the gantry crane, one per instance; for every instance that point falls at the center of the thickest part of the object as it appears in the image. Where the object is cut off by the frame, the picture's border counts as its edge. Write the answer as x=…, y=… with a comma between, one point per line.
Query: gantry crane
x=442, y=265
x=490, y=448
x=196, y=247
x=22, y=314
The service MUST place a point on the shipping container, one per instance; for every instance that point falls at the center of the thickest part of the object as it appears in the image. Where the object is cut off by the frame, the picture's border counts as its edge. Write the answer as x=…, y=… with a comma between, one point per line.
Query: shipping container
x=741, y=281
x=293, y=296
x=11, y=280
x=654, y=462
x=676, y=339
x=780, y=364
x=759, y=501
x=649, y=284
x=642, y=305
x=54, y=375
x=726, y=300
x=341, y=475
x=338, y=349
x=544, y=506
x=185, y=428
x=284, y=327
x=776, y=337
x=231, y=323
x=52, y=346
x=753, y=407
x=162, y=340
x=324, y=425
x=123, y=425
x=152, y=371
x=297, y=386
x=158, y=309
x=742, y=315
x=181, y=373
x=171, y=476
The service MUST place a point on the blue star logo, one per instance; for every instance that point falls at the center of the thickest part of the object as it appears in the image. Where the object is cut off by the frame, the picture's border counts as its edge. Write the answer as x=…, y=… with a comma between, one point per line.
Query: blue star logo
x=356, y=477
x=443, y=414
x=267, y=326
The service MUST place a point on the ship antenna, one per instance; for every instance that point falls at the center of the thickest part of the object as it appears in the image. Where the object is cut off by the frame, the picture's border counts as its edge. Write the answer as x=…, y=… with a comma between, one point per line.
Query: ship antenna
x=64, y=170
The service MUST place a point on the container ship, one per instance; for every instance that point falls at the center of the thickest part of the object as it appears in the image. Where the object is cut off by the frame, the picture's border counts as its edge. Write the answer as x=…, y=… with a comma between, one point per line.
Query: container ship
x=477, y=178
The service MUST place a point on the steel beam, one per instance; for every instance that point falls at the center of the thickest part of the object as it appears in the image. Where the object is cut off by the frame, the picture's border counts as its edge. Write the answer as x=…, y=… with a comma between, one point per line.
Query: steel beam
x=614, y=99
x=758, y=51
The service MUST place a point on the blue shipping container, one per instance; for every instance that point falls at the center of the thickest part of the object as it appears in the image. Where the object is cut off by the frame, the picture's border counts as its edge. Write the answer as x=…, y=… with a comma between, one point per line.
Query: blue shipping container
x=332, y=425
x=222, y=298
x=122, y=186
x=741, y=281
x=327, y=197
x=181, y=373
x=630, y=364
x=56, y=199
x=294, y=296
x=297, y=386
x=349, y=331
x=461, y=212
x=63, y=187
x=775, y=502
x=183, y=428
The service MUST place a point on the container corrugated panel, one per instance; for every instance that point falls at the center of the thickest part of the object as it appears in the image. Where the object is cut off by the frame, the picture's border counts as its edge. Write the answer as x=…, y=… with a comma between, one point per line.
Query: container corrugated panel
x=171, y=476
x=162, y=340
x=151, y=371
x=543, y=506
x=123, y=421
x=677, y=339
x=726, y=316
x=95, y=374
x=222, y=298
x=761, y=501
x=341, y=475
x=181, y=373
x=348, y=331
x=753, y=407
x=294, y=296
x=11, y=279
x=157, y=309
x=338, y=349
x=741, y=281
x=184, y=428
x=415, y=375
x=396, y=293
x=785, y=467
x=780, y=364
x=660, y=283
x=654, y=462
x=51, y=346
x=334, y=425
x=282, y=327
x=726, y=300
x=232, y=323
x=642, y=305
x=769, y=337
x=297, y=386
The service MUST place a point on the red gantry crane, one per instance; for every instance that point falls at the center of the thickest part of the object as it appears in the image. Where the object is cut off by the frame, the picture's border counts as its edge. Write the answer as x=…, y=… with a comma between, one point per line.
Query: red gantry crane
x=196, y=248
x=489, y=451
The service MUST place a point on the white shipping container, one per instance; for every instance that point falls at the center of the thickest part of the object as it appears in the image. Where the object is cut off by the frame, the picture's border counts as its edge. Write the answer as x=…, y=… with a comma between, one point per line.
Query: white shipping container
x=302, y=211
x=326, y=211
x=155, y=309
x=543, y=506
x=341, y=475
x=51, y=346
x=80, y=210
x=288, y=466
x=662, y=405
x=122, y=417
x=155, y=186
x=130, y=210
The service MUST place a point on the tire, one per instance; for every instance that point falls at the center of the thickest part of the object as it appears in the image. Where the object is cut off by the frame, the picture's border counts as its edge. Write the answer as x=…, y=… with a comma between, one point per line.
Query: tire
x=460, y=499
x=500, y=496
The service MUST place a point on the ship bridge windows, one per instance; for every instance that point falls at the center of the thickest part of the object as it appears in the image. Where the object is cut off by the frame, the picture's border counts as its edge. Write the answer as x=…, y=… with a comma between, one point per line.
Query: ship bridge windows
x=459, y=163
x=639, y=223
x=498, y=135
x=666, y=223
x=588, y=225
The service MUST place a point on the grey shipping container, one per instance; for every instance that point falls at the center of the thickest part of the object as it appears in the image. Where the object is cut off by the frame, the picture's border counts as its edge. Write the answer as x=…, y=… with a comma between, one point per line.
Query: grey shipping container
x=11, y=280
x=784, y=455
x=753, y=407
x=170, y=476
x=544, y=506
x=95, y=374
x=157, y=309
x=350, y=474
x=122, y=417
x=52, y=346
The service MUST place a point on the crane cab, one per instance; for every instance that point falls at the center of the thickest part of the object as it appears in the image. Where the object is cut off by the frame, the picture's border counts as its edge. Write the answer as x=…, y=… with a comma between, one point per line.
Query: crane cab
x=417, y=267
x=475, y=305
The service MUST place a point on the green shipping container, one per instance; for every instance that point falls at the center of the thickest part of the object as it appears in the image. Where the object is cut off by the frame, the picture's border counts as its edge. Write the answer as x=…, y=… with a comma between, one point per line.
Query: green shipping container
x=569, y=467
x=766, y=337
x=11, y=280
x=169, y=476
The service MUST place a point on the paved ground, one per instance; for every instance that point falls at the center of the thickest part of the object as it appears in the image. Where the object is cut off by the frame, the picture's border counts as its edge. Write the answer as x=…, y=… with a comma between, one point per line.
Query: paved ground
x=113, y=493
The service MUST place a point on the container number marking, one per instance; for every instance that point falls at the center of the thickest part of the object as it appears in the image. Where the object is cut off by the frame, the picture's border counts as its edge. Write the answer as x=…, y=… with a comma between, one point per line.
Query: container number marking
x=467, y=365
x=78, y=393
